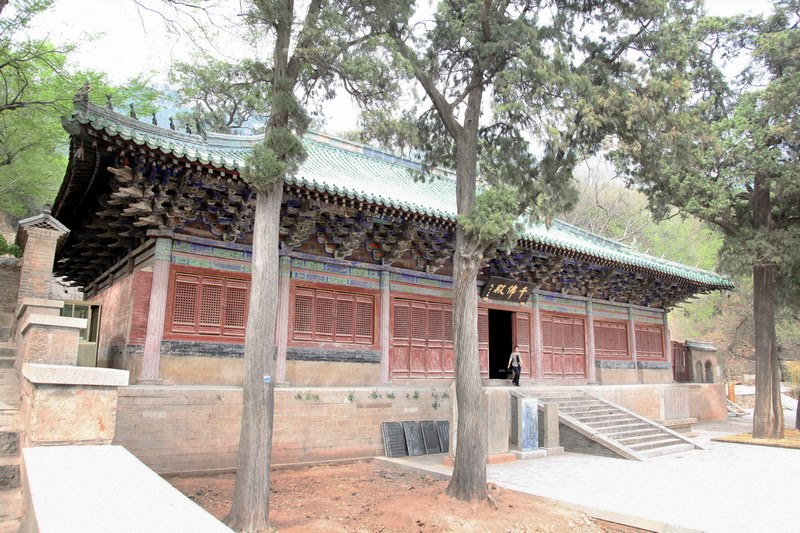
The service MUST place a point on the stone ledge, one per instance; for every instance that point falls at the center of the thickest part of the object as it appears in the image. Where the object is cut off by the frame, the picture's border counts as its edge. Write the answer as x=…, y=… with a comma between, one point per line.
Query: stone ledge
x=63, y=485
x=530, y=454
x=36, y=302
x=74, y=375
x=52, y=321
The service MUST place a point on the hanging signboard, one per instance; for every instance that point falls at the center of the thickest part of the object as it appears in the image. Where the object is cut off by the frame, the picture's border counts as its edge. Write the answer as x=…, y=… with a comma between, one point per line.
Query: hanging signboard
x=507, y=290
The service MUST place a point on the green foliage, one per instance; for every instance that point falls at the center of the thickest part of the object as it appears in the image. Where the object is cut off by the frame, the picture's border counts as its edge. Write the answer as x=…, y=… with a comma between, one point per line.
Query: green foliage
x=281, y=152
x=536, y=93
x=37, y=90
x=493, y=217
x=9, y=249
x=374, y=395
x=351, y=396
x=725, y=142
x=224, y=96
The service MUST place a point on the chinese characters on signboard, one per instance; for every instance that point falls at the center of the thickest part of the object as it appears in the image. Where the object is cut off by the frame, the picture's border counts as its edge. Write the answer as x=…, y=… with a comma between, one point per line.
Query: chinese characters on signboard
x=507, y=290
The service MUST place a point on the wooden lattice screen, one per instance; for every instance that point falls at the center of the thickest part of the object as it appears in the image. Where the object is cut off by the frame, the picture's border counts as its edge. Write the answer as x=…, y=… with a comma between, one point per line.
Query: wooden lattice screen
x=208, y=305
x=649, y=342
x=422, y=339
x=611, y=340
x=333, y=316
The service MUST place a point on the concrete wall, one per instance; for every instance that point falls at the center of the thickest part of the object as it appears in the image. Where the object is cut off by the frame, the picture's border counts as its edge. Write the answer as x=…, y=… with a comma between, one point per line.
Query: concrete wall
x=183, y=429
x=705, y=401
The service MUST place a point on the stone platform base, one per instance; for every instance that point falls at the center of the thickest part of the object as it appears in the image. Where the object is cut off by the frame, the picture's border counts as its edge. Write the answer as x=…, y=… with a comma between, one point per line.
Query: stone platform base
x=532, y=454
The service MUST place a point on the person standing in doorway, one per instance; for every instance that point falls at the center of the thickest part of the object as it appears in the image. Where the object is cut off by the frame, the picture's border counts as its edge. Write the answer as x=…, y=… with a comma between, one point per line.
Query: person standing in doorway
x=515, y=364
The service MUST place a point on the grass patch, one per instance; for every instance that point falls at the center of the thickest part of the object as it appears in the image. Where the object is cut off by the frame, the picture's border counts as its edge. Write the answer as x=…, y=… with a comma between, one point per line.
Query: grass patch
x=791, y=439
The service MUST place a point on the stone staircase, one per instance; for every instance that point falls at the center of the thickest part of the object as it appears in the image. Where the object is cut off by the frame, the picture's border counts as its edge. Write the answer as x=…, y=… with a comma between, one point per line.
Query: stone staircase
x=590, y=424
x=10, y=492
x=734, y=410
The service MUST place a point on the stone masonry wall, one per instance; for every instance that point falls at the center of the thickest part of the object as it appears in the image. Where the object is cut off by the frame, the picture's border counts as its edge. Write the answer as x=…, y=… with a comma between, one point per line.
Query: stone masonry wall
x=124, y=319
x=9, y=287
x=185, y=429
x=37, y=268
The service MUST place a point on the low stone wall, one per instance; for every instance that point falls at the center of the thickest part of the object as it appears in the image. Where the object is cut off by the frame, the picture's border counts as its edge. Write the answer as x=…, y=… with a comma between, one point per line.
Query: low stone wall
x=9, y=287
x=196, y=428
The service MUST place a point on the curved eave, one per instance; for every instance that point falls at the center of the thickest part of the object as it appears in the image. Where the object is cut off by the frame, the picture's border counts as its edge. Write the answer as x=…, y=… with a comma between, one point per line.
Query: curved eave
x=165, y=147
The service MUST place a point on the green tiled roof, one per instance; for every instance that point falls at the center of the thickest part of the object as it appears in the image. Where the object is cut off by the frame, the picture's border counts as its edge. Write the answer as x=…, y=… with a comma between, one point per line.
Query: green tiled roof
x=348, y=169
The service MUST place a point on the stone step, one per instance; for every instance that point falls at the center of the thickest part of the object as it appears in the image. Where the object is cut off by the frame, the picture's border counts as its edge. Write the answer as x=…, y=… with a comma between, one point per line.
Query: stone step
x=632, y=425
x=9, y=472
x=595, y=409
x=9, y=419
x=601, y=417
x=668, y=450
x=10, y=509
x=640, y=439
x=9, y=443
x=8, y=349
x=623, y=434
x=613, y=423
x=7, y=361
x=660, y=443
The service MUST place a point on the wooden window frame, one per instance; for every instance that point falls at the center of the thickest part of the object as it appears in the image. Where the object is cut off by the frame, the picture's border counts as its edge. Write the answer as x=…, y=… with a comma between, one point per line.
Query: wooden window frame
x=645, y=355
x=629, y=353
x=354, y=338
x=223, y=331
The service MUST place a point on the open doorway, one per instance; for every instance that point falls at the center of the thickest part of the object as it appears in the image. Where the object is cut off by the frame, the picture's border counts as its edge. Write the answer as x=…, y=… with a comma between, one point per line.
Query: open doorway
x=501, y=339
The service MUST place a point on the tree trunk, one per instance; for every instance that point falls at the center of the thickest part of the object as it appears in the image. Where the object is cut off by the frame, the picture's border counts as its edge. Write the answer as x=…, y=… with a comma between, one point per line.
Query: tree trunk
x=250, y=510
x=797, y=413
x=469, y=472
x=768, y=412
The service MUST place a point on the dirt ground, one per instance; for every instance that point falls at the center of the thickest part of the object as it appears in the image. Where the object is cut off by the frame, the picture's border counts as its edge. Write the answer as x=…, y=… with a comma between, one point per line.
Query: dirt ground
x=367, y=497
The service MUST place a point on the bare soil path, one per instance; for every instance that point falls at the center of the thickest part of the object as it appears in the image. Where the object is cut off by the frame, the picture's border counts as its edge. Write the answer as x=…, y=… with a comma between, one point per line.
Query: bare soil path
x=365, y=497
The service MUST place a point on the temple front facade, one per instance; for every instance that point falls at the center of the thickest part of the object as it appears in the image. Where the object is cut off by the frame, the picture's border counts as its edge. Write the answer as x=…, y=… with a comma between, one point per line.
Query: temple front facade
x=161, y=229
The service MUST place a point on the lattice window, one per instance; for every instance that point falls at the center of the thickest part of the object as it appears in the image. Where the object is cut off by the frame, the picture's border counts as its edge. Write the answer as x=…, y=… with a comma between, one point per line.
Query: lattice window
x=236, y=306
x=402, y=320
x=322, y=316
x=365, y=318
x=448, y=324
x=611, y=340
x=649, y=342
x=435, y=323
x=209, y=305
x=185, y=307
x=418, y=322
x=303, y=314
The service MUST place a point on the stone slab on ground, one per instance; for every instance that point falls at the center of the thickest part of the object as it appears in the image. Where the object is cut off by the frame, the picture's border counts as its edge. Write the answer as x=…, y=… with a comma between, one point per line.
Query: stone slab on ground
x=104, y=488
x=687, y=492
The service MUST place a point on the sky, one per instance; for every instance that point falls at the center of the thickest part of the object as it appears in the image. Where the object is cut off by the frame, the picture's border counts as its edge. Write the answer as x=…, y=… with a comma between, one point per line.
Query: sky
x=125, y=41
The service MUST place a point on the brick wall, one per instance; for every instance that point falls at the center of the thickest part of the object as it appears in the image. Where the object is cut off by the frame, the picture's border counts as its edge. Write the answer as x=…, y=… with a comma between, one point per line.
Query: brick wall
x=183, y=429
x=115, y=324
x=9, y=286
x=37, y=263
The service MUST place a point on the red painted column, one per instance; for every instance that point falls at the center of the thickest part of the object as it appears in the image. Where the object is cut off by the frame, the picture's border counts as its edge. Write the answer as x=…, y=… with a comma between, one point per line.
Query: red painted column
x=384, y=325
x=156, y=312
x=592, y=371
x=282, y=323
x=632, y=340
x=537, y=338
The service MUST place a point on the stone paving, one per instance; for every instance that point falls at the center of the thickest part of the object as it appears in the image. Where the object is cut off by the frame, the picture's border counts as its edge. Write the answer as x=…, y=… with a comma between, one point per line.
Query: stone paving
x=726, y=488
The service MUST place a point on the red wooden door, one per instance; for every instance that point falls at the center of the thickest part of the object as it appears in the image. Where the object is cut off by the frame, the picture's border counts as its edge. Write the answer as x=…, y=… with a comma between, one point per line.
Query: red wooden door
x=435, y=340
x=563, y=347
x=419, y=337
x=483, y=341
x=422, y=339
x=522, y=339
x=448, y=355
